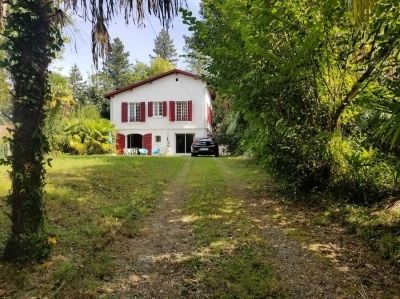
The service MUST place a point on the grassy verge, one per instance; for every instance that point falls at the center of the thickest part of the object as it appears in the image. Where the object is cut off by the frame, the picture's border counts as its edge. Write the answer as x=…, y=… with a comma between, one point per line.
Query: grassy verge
x=231, y=260
x=378, y=225
x=90, y=202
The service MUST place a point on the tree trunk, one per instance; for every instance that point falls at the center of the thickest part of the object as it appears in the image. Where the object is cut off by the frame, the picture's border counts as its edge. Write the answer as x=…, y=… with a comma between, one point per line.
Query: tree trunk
x=32, y=40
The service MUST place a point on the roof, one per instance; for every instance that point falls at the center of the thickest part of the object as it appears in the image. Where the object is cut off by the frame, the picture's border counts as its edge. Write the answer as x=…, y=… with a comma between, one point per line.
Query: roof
x=149, y=80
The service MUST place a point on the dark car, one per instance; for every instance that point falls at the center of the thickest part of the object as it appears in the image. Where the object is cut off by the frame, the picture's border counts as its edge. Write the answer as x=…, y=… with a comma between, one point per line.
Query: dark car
x=205, y=146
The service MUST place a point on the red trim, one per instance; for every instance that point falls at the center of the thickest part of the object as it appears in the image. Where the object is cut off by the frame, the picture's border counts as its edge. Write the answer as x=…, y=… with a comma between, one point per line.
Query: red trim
x=124, y=112
x=150, y=109
x=149, y=80
x=190, y=108
x=120, y=143
x=164, y=108
x=171, y=110
x=147, y=142
x=142, y=111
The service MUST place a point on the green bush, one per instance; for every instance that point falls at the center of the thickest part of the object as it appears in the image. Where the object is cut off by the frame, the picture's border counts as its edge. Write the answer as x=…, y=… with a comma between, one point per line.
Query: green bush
x=82, y=133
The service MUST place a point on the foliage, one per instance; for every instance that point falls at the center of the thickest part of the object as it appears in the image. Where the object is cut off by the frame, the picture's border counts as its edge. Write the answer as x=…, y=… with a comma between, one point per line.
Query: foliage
x=33, y=38
x=158, y=66
x=89, y=136
x=116, y=65
x=76, y=82
x=164, y=47
x=5, y=96
x=301, y=76
x=81, y=132
x=61, y=95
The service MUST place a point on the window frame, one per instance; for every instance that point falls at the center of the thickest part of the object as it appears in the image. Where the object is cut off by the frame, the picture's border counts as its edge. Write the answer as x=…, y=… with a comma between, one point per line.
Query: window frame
x=183, y=108
x=137, y=112
x=159, y=112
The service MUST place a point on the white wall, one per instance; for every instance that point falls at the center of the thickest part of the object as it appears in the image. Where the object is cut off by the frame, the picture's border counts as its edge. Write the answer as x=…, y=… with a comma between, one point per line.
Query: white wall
x=165, y=89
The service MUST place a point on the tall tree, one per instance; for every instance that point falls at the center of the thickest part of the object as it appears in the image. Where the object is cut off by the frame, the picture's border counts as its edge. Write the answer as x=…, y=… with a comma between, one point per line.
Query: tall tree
x=164, y=47
x=116, y=64
x=76, y=82
x=33, y=37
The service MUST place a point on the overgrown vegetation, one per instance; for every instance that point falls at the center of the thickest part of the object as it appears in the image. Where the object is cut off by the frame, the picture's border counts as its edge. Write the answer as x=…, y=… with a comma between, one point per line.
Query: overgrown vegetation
x=310, y=94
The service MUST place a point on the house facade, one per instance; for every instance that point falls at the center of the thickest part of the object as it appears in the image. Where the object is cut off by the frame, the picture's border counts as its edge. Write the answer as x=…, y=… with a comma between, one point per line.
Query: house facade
x=162, y=114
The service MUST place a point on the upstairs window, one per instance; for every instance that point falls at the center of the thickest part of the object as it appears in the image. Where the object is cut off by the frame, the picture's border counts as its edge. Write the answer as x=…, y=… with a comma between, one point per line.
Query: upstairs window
x=134, y=112
x=181, y=111
x=158, y=109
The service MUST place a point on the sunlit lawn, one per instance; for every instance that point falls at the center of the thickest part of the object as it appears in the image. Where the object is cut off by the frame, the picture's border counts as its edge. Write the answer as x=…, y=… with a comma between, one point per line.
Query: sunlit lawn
x=89, y=200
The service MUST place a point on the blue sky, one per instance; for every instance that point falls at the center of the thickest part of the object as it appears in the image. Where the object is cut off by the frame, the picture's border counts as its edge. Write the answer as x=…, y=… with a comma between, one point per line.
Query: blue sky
x=139, y=42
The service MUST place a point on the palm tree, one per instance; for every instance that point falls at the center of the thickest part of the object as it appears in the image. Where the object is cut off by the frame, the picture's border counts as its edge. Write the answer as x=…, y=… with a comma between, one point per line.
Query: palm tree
x=33, y=37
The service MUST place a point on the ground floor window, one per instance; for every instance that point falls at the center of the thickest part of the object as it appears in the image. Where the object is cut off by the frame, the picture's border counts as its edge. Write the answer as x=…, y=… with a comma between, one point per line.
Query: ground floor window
x=183, y=143
x=158, y=138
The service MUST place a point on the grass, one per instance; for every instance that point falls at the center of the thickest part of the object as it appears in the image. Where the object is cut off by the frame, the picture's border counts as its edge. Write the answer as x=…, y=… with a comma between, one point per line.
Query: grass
x=93, y=202
x=231, y=262
x=379, y=227
x=90, y=201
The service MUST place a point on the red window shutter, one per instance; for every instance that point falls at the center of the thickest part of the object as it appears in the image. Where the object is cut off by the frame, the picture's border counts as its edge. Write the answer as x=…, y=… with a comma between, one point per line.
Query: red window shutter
x=124, y=112
x=150, y=109
x=142, y=111
x=172, y=110
x=120, y=143
x=147, y=142
x=164, y=108
x=190, y=110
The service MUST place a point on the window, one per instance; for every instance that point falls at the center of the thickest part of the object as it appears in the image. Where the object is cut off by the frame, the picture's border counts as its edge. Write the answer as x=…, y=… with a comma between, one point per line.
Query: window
x=158, y=109
x=181, y=111
x=158, y=138
x=134, y=112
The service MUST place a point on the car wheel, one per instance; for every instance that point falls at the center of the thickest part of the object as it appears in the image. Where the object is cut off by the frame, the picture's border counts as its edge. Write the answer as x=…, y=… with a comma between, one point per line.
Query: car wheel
x=194, y=155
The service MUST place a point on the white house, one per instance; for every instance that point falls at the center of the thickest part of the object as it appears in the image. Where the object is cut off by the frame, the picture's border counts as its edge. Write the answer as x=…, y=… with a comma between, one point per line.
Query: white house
x=164, y=113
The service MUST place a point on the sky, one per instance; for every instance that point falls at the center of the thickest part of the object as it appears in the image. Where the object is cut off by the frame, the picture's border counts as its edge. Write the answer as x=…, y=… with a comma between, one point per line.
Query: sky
x=139, y=42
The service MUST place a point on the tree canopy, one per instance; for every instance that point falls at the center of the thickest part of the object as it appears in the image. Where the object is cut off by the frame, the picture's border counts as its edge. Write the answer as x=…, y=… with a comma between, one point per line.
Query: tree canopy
x=164, y=47
x=305, y=81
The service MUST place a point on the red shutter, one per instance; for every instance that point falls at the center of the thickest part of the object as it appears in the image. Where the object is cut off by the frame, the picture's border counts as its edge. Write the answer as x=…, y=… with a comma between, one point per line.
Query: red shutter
x=171, y=110
x=190, y=108
x=120, y=143
x=164, y=108
x=142, y=111
x=124, y=112
x=150, y=109
x=147, y=142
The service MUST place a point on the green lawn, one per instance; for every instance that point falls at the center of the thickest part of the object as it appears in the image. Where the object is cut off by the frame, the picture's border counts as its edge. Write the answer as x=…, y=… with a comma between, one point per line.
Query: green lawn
x=89, y=200
x=95, y=204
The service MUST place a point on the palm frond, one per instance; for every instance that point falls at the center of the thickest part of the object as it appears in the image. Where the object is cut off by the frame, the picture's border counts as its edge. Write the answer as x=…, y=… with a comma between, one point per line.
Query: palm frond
x=101, y=12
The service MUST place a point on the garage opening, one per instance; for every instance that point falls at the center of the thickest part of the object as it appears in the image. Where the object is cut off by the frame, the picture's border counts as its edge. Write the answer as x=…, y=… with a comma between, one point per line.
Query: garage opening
x=183, y=143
